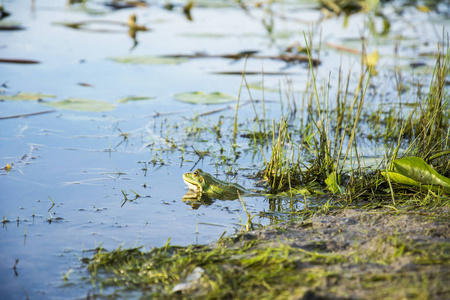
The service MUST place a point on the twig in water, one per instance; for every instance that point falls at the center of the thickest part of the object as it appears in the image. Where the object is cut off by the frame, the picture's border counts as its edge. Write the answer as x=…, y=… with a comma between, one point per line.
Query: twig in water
x=27, y=115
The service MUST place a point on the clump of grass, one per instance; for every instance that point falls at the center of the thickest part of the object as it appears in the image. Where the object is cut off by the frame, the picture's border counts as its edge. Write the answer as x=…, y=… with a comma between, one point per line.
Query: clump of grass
x=431, y=128
x=281, y=166
x=319, y=151
x=424, y=133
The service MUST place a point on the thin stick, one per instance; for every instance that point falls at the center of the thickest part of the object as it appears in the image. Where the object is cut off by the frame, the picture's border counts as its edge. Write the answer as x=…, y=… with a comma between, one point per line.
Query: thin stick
x=27, y=115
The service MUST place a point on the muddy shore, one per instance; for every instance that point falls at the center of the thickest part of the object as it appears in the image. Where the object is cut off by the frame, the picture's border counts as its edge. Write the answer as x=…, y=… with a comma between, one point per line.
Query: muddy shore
x=388, y=255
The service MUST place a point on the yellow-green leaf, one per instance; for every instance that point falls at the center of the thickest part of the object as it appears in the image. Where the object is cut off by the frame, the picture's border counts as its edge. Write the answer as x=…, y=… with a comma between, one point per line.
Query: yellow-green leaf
x=423, y=8
x=149, y=60
x=24, y=96
x=371, y=59
x=399, y=178
x=81, y=105
x=333, y=183
x=200, y=97
x=133, y=98
x=416, y=172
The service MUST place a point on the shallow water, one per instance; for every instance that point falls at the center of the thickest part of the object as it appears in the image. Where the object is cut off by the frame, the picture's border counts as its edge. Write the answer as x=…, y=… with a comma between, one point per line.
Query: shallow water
x=83, y=163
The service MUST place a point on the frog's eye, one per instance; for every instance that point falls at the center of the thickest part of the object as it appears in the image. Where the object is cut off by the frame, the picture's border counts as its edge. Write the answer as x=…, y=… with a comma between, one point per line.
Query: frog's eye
x=196, y=173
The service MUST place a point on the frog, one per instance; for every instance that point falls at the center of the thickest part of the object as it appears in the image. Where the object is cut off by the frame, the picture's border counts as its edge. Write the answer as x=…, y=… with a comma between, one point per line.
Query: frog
x=204, y=184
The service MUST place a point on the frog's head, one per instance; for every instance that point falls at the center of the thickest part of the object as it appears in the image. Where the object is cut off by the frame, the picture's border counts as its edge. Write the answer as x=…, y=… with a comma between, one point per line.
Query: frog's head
x=196, y=181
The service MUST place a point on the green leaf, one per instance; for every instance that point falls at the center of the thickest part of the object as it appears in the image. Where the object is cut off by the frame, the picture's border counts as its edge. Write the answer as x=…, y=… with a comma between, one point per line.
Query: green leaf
x=399, y=178
x=133, y=98
x=81, y=105
x=333, y=183
x=259, y=86
x=415, y=171
x=200, y=97
x=26, y=96
x=148, y=60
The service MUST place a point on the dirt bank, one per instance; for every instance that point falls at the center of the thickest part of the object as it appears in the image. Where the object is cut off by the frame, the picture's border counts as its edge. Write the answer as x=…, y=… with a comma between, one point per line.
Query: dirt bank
x=369, y=254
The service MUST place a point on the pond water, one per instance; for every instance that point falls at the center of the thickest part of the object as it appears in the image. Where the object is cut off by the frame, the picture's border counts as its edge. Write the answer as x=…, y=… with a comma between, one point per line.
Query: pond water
x=76, y=175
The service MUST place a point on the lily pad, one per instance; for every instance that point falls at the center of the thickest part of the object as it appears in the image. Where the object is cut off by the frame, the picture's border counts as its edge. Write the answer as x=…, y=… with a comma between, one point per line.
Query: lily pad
x=200, y=97
x=149, y=60
x=26, y=96
x=134, y=98
x=81, y=105
x=259, y=86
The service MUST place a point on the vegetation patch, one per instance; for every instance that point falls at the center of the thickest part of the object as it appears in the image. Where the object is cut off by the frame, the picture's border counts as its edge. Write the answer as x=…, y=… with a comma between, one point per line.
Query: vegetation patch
x=346, y=254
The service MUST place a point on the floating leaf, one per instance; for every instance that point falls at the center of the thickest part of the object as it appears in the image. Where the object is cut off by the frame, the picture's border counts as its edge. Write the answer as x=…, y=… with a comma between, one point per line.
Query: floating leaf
x=100, y=26
x=133, y=98
x=149, y=60
x=74, y=25
x=200, y=97
x=81, y=105
x=416, y=172
x=26, y=96
x=259, y=86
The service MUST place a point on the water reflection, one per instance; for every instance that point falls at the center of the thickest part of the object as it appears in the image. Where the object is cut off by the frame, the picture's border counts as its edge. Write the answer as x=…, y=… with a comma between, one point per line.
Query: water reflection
x=195, y=200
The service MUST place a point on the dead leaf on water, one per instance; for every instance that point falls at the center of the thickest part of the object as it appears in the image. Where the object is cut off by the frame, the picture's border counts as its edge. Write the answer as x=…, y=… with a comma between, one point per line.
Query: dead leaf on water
x=80, y=104
x=125, y=4
x=11, y=26
x=85, y=84
x=100, y=26
x=18, y=61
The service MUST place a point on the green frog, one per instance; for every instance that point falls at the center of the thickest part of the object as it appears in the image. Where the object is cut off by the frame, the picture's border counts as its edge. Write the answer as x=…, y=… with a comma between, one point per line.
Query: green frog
x=203, y=183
